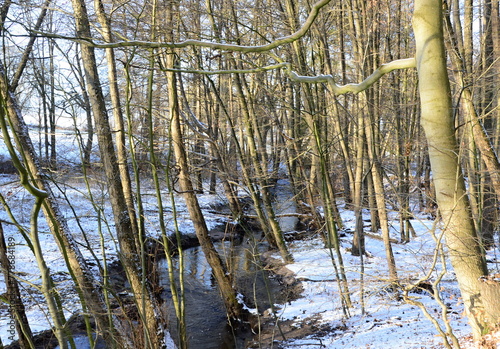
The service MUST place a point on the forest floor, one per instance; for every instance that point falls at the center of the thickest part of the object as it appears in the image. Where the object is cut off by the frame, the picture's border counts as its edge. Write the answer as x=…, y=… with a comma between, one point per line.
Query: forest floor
x=382, y=319
x=379, y=317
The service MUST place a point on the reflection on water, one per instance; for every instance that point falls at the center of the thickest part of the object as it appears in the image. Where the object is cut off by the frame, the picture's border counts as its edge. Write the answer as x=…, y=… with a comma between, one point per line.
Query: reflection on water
x=285, y=205
x=206, y=320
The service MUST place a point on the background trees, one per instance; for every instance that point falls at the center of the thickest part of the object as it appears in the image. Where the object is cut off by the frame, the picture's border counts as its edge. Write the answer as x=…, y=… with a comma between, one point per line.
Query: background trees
x=245, y=93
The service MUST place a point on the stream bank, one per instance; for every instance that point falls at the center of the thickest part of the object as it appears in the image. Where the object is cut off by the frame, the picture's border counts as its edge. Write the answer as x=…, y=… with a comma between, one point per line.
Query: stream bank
x=264, y=285
x=260, y=288
x=262, y=281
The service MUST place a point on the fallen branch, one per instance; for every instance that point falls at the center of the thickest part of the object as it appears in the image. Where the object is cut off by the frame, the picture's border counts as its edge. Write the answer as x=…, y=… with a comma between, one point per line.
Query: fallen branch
x=378, y=237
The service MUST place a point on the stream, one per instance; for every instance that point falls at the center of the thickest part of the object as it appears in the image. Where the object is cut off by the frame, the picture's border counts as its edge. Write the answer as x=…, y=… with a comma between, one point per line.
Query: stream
x=206, y=321
x=207, y=325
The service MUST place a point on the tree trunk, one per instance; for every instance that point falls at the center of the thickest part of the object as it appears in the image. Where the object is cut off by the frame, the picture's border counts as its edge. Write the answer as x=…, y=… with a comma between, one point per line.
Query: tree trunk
x=129, y=254
x=86, y=283
x=121, y=149
x=358, y=240
x=13, y=296
x=479, y=139
x=378, y=187
x=437, y=121
x=260, y=168
x=233, y=308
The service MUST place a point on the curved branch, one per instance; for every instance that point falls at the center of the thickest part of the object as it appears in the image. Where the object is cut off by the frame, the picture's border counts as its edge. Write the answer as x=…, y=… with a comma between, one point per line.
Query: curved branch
x=24, y=177
x=230, y=71
x=355, y=88
x=208, y=44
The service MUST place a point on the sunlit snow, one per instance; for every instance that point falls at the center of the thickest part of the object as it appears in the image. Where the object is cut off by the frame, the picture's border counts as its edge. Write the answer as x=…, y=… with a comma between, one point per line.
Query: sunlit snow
x=387, y=321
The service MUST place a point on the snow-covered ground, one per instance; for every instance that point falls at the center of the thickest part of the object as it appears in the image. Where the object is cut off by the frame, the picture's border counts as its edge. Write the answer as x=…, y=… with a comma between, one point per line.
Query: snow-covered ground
x=385, y=322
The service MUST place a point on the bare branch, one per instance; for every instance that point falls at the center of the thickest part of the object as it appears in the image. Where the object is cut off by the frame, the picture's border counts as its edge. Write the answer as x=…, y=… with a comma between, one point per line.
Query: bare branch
x=230, y=71
x=356, y=88
x=208, y=44
x=29, y=47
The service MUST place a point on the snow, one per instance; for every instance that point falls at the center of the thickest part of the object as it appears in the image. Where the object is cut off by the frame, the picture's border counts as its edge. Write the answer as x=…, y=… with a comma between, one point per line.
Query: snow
x=388, y=322
x=385, y=322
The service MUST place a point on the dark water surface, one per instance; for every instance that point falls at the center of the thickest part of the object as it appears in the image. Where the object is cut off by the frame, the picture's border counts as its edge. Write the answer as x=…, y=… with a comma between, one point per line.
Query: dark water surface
x=207, y=325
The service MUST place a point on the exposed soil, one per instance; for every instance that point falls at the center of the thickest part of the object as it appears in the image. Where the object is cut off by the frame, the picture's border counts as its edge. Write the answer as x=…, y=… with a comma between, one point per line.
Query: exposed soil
x=267, y=330
x=272, y=332
x=47, y=340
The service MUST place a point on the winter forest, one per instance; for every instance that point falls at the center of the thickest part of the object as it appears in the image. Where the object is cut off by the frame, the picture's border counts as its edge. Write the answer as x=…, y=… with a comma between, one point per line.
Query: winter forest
x=249, y=174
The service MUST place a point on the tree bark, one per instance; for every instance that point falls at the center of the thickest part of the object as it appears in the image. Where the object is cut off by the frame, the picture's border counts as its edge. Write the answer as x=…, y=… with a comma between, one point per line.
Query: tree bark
x=153, y=326
x=233, y=308
x=16, y=305
x=358, y=240
x=257, y=158
x=86, y=283
x=479, y=138
x=437, y=120
x=121, y=149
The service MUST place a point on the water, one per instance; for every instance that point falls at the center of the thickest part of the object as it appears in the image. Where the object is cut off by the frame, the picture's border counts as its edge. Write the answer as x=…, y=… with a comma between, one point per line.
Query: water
x=82, y=342
x=206, y=321
x=207, y=326
x=285, y=206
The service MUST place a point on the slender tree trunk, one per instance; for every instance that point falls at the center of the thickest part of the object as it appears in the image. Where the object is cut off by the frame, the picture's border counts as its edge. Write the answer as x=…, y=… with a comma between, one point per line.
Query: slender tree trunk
x=234, y=309
x=52, y=108
x=254, y=194
x=358, y=240
x=121, y=149
x=221, y=162
x=495, y=33
x=16, y=305
x=129, y=253
x=260, y=168
x=87, y=146
x=379, y=192
x=87, y=285
x=481, y=139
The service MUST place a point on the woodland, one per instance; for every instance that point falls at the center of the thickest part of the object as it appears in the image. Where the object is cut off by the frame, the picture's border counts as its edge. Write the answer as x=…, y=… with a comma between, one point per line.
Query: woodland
x=385, y=108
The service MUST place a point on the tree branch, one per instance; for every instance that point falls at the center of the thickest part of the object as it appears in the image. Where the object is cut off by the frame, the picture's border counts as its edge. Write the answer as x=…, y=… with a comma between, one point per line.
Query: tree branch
x=355, y=88
x=208, y=44
x=230, y=71
x=29, y=47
